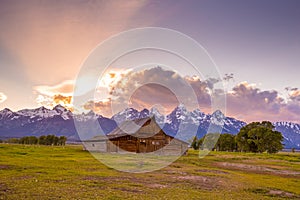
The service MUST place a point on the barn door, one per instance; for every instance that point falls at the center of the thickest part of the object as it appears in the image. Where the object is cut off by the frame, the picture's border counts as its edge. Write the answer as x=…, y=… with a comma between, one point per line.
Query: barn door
x=142, y=148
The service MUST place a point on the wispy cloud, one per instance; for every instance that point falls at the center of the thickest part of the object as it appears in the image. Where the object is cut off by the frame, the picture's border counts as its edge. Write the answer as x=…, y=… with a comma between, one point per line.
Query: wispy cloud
x=3, y=97
x=50, y=96
x=65, y=88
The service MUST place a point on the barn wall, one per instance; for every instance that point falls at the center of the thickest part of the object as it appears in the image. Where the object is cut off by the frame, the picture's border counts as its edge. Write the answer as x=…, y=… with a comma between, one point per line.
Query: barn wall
x=159, y=143
x=122, y=144
x=149, y=138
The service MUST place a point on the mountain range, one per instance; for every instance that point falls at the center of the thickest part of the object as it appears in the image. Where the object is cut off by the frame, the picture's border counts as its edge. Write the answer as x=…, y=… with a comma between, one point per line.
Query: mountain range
x=180, y=123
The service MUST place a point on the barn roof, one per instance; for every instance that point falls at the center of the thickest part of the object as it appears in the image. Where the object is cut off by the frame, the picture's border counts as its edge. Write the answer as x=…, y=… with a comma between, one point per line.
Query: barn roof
x=97, y=138
x=130, y=127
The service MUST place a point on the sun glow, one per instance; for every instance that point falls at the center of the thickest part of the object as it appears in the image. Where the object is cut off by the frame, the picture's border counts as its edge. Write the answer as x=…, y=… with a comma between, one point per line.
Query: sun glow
x=109, y=78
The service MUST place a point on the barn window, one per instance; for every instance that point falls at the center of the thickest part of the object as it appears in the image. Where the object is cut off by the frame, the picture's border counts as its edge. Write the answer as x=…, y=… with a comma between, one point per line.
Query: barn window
x=93, y=145
x=142, y=141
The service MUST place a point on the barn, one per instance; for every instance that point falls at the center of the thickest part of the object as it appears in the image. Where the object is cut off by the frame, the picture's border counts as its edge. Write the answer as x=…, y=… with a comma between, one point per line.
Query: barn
x=137, y=136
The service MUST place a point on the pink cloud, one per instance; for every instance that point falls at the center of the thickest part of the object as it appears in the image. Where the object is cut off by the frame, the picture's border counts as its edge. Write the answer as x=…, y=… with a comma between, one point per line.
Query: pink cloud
x=100, y=107
x=249, y=103
x=154, y=86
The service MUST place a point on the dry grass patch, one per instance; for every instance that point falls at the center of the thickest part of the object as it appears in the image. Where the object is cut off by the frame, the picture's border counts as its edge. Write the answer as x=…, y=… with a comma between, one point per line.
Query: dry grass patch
x=256, y=168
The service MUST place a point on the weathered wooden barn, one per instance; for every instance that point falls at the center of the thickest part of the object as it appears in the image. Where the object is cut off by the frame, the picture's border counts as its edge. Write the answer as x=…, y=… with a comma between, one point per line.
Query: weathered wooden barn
x=138, y=136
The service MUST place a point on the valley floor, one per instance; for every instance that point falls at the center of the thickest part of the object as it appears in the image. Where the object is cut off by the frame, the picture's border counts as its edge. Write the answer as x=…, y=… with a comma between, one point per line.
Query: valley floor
x=46, y=172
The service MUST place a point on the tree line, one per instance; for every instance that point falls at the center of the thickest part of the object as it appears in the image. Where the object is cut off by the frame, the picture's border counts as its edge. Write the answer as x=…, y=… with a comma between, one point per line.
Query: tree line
x=42, y=140
x=255, y=137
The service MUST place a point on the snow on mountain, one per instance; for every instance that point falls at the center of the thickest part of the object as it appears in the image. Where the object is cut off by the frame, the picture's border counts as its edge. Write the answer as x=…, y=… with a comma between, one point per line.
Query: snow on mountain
x=218, y=118
x=198, y=116
x=290, y=132
x=86, y=116
x=177, y=116
x=43, y=112
x=185, y=124
x=180, y=113
x=89, y=125
x=63, y=112
x=127, y=114
x=144, y=113
x=180, y=123
x=159, y=118
x=197, y=123
x=6, y=113
x=43, y=121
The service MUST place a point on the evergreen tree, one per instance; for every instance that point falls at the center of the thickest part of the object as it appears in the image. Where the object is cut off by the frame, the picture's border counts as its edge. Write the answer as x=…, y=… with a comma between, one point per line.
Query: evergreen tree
x=62, y=140
x=195, y=144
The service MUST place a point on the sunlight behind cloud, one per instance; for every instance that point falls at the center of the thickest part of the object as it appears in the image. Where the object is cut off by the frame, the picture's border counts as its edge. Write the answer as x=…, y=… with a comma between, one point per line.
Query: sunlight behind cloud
x=50, y=96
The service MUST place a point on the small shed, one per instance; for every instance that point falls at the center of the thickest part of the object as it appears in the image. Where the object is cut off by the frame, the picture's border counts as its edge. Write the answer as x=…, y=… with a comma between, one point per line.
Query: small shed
x=97, y=143
x=138, y=136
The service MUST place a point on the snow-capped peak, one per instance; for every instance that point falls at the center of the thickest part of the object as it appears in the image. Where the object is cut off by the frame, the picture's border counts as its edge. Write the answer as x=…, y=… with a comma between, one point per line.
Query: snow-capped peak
x=181, y=110
x=62, y=111
x=155, y=111
x=6, y=110
x=40, y=112
x=144, y=113
x=218, y=113
x=218, y=118
x=43, y=112
x=127, y=114
x=6, y=113
x=159, y=118
x=181, y=105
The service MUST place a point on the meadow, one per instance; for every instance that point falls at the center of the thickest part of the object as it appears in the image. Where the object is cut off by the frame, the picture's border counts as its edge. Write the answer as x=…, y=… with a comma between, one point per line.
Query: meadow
x=68, y=172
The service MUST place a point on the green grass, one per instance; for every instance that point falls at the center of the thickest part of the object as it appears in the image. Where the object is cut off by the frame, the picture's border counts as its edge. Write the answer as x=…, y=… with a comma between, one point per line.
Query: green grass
x=45, y=172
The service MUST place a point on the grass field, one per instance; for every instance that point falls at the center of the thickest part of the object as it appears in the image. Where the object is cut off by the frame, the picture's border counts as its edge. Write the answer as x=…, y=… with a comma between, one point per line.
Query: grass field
x=45, y=172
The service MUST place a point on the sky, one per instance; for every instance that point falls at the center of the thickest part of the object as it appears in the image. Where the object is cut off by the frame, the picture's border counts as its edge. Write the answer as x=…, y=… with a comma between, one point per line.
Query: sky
x=43, y=45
